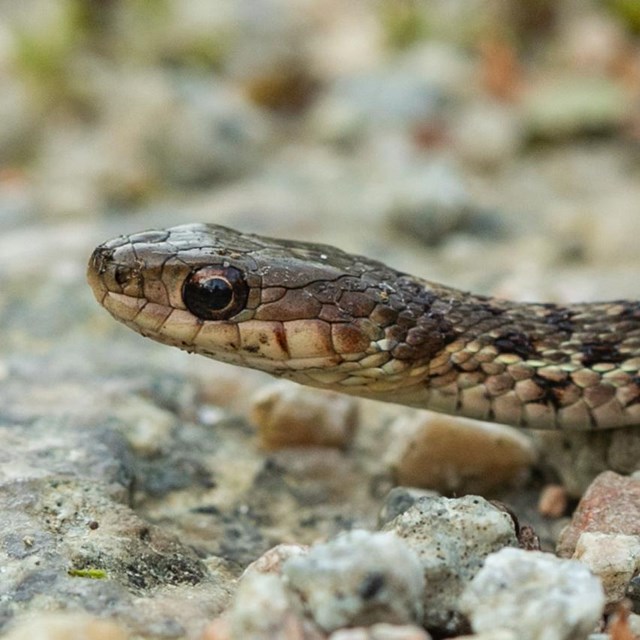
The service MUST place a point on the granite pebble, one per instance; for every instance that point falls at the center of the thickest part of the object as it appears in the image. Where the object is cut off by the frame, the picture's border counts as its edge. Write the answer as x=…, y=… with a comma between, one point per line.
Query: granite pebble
x=452, y=538
x=359, y=578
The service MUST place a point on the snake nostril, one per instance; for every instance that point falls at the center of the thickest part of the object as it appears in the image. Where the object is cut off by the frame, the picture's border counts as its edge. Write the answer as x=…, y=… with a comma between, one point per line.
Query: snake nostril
x=122, y=274
x=100, y=259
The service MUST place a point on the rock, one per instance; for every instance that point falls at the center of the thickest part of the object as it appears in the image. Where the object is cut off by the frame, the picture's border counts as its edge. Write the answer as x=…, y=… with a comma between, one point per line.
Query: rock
x=494, y=634
x=456, y=456
x=452, y=538
x=208, y=132
x=614, y=558
x=359, y=578
x=579, y=456
x=70, y=626
x=575, y=105
x=553, y=501
x=594, y=42
x=263, y=609
x=398, y=500
x=375, y=97
x=288, y=415
x=381, y=631
x=610, y=505
x=535, y=594
x=486, y=135
x=430, y=202
x=271, y=561
x=20, y=115
x=62, y=539
x=622, y=624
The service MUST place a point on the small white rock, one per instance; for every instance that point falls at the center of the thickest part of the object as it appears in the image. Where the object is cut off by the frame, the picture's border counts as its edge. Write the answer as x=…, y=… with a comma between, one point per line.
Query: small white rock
x=536, y=594
x=359, y=578
x=614, y=558
x=263, y=608
x=381, y=631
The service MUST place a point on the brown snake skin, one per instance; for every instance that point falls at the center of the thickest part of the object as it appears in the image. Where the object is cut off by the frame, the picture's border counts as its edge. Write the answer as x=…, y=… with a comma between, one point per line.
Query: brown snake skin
x=322, y=317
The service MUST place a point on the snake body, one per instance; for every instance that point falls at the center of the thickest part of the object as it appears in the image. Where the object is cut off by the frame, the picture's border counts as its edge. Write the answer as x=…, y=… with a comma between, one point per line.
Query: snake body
x=322, y=317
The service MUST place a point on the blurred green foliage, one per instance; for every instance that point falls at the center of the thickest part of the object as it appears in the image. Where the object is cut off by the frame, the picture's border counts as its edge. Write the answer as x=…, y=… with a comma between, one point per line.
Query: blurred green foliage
x=404, y=22
x=629, y=11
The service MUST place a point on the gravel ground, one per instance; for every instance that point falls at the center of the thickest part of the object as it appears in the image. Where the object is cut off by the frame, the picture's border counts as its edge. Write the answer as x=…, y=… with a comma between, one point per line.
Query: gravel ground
x=490, y=146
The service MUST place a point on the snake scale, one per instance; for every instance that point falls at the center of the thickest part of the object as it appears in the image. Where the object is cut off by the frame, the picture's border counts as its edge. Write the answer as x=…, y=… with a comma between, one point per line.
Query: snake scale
x=322, y=317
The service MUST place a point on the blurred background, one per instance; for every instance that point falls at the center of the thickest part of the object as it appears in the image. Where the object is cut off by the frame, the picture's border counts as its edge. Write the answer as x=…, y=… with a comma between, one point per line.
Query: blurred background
x=415, y=131
x=491, y=145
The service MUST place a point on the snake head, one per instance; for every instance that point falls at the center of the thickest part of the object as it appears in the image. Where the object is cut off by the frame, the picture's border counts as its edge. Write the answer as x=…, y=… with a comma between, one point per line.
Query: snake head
x=304, y=311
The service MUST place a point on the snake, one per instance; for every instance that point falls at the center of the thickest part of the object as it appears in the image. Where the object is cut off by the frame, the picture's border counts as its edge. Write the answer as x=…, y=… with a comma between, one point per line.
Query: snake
x=322, y=317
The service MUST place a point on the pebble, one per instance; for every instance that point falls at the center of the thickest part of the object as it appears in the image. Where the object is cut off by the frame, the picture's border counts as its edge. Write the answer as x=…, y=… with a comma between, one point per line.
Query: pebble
x=457, y=456
x=208, y=133
x=21, y=120
x=535, y=594
x=594, y=42
x=577, y=457
x=381, y=631
x=553, y=501
x=358, y=578
x=263, y=609
x=398, y=500
x=494, y=634
x=452, y=538
x=272, y=560
x=430, y=202
x=487, y=135
x=389, y=97
x=614, y=558
x=66, y=627
x=288, y=415
x=574, y=105
x=610, y=505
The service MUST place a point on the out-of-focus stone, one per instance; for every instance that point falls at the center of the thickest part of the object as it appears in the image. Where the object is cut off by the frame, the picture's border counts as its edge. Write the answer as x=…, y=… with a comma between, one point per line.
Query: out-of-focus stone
x=264, y=609
x=208, y=133
x=381, y=631
x=66, y=627
x=573, y=106
x=593, y=42
x=359, y=578
x=430, y=202
x=288, y=415
x=452, y=538
x=534, y=594
x=458, y=456
x=271, y=561
x=614, y=558
x=610, y=505
x=398, y=500
x=579, y=456
x=553, y=501
x=488, y=134
x=494, y=634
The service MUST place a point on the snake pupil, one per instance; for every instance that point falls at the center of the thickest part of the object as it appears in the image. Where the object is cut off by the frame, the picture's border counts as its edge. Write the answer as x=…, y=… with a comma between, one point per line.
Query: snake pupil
x=215, y=293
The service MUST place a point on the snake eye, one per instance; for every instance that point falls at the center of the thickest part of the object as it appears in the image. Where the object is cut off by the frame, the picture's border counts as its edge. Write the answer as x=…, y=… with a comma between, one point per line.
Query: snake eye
x=215, y=293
